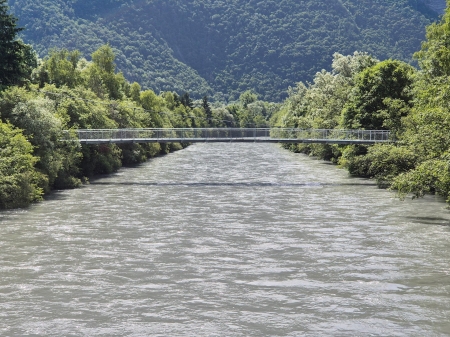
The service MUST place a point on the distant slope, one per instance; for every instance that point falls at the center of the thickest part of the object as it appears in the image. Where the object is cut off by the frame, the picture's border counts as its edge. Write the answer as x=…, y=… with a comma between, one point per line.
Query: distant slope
x=437, y=6
x=227, y=47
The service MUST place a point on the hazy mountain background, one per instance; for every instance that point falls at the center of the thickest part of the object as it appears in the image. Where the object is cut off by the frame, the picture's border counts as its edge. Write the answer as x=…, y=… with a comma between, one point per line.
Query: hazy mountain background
x=222, y=48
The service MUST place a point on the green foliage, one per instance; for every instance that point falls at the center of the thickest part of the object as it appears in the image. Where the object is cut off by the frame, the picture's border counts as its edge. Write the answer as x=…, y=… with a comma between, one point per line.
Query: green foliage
x=247, y=98
x=385, y=95
x=72, y=93
x=60, y=68
x=378, y=93
x=10, y=98
x=434, y=56
x=104, y=68
x=221, y=118
x=43, y=129
x=382, y=162
x=256, y=114
x=249, y=112
x=17, y=59
x=318, y=105
x=100, y=159
x=42, y=126
x=135, y=92
x=237, y=48
x=207, y=109
x=104, y=58
x=154, y=105
x=226, y=47
x=18, y=179
x=187, y=101
x=430, y=176
x=428, y=125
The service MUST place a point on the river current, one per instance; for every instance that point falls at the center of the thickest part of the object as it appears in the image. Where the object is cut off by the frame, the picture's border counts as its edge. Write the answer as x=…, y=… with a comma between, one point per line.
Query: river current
x=226, y=240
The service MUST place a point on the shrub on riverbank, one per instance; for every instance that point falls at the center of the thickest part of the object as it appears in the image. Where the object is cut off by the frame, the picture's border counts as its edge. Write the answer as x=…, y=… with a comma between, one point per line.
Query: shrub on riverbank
x=19, y=179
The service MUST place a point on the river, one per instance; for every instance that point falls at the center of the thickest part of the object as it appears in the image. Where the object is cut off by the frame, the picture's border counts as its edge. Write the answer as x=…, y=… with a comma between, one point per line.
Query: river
x=226, y=240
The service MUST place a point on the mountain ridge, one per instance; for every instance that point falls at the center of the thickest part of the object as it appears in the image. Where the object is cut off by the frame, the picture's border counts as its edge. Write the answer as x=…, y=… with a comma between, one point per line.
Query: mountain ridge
x=224, y=48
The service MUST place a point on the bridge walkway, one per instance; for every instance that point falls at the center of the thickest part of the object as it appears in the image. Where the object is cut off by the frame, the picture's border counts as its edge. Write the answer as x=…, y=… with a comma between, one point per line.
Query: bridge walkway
x=252, y=135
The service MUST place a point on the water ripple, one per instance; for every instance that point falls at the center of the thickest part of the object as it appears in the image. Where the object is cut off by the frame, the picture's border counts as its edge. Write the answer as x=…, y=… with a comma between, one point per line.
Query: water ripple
x=226, y=240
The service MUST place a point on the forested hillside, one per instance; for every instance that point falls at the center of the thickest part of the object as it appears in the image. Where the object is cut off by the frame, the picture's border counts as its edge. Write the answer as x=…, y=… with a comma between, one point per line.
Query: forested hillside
x=362, y=92
x=38, y=100
x=224, y=48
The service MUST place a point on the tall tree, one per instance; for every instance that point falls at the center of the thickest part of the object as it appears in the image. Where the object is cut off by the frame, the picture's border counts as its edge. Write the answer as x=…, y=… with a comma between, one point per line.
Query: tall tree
x=60, y=68
x=187, y=101
x=380, y=98
x=247, y=98
x=207, y=109
x=103, y=60
x=17, y=59
x=434, y=56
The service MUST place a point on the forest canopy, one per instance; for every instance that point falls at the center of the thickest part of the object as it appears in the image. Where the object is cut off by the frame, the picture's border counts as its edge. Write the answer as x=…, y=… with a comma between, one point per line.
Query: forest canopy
x=42, y=101
x=223, y=48
x=365, y=93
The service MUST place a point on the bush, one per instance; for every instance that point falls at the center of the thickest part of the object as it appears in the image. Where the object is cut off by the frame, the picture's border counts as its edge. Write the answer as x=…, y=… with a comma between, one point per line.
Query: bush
x=382, y=162
x=431, y=176
x=19, y=180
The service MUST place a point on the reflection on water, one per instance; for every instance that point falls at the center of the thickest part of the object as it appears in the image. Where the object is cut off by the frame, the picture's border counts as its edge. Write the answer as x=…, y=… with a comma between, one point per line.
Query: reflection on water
x=226, y=240
x=429, y=220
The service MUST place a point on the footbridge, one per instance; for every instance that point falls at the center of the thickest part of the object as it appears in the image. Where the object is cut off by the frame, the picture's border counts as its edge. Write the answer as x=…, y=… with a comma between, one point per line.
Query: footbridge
x=253, y=135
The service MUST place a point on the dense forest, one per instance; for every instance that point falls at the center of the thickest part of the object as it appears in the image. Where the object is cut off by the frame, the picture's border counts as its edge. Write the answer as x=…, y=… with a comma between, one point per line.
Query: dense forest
x=364, y=93
x=223, y=48
x=66, y=89
x=39, y=100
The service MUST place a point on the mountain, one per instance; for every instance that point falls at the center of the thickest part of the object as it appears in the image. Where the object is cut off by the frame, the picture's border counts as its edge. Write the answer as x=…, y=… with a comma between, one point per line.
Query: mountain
x=437, y=6
x=223, y=48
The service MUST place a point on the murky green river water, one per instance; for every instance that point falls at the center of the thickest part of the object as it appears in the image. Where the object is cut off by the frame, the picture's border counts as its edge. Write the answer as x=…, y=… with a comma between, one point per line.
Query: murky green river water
x=226, y=240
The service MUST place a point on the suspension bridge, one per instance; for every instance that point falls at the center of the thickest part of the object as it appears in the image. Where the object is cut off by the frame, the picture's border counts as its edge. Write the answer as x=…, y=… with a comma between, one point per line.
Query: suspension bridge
x=251, y=135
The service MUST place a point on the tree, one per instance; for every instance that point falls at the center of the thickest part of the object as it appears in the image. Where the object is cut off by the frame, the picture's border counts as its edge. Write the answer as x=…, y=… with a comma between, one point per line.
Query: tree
x=434, y=56
x=38, y=121
x=318, y=105
x=135, y=92
x=60, y=68
x=18, y=179
x=427, y=133
x=383, y=162
x=103, y=59
x=187, y=101
x=247, y=97
x=153, y=105
x=17, y=59
x=377, y=93
x=222, y=117
x=207, y=109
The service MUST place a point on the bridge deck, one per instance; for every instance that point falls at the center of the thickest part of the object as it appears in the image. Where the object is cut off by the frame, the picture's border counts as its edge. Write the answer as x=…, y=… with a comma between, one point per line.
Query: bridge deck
x=249, y=135
x=227, y=140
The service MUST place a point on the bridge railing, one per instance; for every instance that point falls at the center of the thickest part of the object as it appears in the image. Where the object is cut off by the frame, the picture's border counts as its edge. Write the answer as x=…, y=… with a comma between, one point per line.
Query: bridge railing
x=187, y=134
x=331, y=134
x=173, y=133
